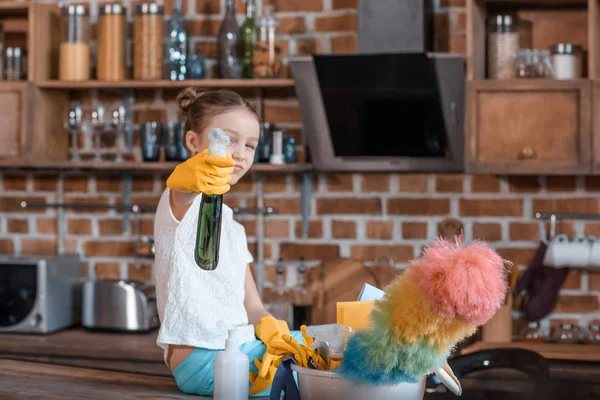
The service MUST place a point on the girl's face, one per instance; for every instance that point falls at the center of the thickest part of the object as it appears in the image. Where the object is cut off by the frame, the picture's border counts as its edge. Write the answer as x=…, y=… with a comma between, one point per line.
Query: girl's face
x=243, y=130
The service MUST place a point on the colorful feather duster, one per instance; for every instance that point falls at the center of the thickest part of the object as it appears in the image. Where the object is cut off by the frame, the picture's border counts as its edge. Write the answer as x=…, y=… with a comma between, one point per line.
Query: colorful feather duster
x=440, y=299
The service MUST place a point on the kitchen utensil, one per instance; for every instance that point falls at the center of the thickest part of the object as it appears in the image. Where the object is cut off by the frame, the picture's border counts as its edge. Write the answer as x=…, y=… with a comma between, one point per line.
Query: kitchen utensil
x=151, y=140
x=74, y=124
x=119, y=305
x=15, y=63
x=118, y=123
x=98, y=128
x=172, y=133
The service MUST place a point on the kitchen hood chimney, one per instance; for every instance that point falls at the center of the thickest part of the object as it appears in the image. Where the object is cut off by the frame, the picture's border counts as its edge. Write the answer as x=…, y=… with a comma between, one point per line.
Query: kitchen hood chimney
x=391, y=107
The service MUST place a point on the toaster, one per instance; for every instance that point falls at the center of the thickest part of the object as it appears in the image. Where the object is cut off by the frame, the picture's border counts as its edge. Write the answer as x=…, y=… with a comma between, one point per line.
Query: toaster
x=39, y=294
x=119, y=305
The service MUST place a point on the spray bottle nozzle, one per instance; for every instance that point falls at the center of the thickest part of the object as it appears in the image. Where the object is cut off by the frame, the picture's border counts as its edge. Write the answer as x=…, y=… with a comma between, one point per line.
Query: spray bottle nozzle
x=218, y=142
x=334, y=334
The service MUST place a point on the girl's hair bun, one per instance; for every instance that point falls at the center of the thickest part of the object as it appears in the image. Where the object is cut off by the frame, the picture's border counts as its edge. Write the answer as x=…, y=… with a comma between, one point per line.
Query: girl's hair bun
x=186, y=98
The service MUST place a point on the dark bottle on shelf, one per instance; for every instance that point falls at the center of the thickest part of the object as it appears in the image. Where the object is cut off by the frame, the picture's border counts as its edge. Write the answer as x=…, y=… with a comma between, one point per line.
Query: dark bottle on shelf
x=177, y=45
x=301, y=299
x=229, y=45
x=248, y=39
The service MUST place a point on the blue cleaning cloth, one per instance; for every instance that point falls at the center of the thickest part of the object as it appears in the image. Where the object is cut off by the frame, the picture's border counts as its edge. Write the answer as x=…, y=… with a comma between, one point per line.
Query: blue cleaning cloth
x=284, y=381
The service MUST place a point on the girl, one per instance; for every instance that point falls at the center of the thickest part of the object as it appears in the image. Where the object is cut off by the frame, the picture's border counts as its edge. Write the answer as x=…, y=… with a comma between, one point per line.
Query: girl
x=197, y=307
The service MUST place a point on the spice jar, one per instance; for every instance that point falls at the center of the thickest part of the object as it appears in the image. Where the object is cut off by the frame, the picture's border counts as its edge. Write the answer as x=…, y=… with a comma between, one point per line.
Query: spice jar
x=148, y=49
x=593, y=334
x=533, y=63
x=267, y=53
x=111, y=43
x=503, y=44
x=74, y=64
x=16, y=64
x=567, y=333
x=533, y=332
x=566, y=61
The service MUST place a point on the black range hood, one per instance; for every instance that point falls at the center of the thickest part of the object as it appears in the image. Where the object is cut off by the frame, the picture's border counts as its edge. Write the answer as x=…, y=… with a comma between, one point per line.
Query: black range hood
x=389, y=112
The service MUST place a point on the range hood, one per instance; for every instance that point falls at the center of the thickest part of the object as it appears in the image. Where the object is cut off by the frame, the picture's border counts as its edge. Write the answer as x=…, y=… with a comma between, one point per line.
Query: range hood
x=398, y=108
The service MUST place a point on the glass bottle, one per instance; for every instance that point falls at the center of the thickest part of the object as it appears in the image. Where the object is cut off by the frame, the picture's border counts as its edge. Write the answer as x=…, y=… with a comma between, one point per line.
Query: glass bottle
x=74, y=49
x=567, y=334
x=280, y=304
x=248, y=39
x=148, y=35
x=593, y=334
x=503, y=44
x=229, y=45
x=267, y=52
x=301, y=299
x=532, y=332
x=177, y=44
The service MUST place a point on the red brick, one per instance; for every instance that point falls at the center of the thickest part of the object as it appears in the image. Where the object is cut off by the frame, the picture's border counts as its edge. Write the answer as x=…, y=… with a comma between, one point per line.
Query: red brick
x=101, y=248
x=207, y=49
x=518, y=256
x=305, y=47
x=80, y=226
x=420, y=206
x=340, y=182
x=315, y=229
x=45, y=247
x=344, y=44
x=561, y=183
x=573, y=280
x=110, y=227
x=107, y=270
x=461, y=22
x=400, y=253
x=524, y=183
x=275, y=113
x=145, y=226
x=340, y=4
x=485, y=183
x=45, y=183
x=308, y=251
x=577, y=304
x=244, y=185
x=143, y=272
x=100, y=200
x=592, y=183
x=491, y=232
x=252, y=247
x=18, y=226
x=6, y=246
x=249, y=226
x=594, y=281
x=380, y=229
x=568, y=205
x=343, y=229
x=449, y=183
x=46, y=226
x=441, y=23
x=452, y=3
x=592, y=228
x=528, y=231
x=491, y=207
x=14, y=182
x=207, y=6
x=277, y=229
x=292, y=25
x=284, y=206
x=109, y=184
x=414, y=230
x=13, y=204
x=345, y=22
x=297, y=5
x=76, y=184
x=276, y=183
x=412, y=183
x=375, y=183
x=458, y=43
x=148, y=202
x=142, y=183
x=348, y=206
x=148, y=114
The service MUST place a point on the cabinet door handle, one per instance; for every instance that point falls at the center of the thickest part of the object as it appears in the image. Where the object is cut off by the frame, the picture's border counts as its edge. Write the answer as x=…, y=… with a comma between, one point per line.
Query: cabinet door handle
x=527, y=153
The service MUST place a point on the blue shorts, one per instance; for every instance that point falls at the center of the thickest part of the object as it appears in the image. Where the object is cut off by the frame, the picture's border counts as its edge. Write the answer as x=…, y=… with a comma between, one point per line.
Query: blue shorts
x=195, y=374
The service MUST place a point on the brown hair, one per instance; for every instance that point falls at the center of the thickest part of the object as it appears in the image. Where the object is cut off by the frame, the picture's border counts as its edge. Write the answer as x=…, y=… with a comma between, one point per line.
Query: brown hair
x=201, y=105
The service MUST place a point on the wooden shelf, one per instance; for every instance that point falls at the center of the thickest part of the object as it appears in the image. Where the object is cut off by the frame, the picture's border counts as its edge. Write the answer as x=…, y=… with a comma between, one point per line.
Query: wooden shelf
x=166, y=84
x=553, y=351
x=109, y=166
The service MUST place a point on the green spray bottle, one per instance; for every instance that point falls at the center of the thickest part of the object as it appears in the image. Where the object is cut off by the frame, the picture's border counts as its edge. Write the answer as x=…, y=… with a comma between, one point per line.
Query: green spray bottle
x=208, y=234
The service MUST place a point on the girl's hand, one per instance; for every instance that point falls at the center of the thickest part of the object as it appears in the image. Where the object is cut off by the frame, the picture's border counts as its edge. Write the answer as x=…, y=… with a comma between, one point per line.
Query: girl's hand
x=202, y=173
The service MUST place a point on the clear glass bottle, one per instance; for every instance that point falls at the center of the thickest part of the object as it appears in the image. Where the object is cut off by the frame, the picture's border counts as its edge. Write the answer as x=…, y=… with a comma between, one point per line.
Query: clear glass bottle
x=148, y=35
x=249, y=35
x=301, y=299
x=567, y=333
x=177, y=44
x=533, y=332
x=229, y=45
x=267, y=52
x=74, y=50
x=593, y=334
x=111, y=42
x=280, y=303
x=503, y=44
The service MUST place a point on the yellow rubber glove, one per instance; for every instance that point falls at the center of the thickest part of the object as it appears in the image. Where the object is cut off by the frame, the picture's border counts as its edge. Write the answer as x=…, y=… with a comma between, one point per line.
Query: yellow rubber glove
x=202, y=173
x=308, y=341
x=268, y=330
x=304, y=356
x=259, y=384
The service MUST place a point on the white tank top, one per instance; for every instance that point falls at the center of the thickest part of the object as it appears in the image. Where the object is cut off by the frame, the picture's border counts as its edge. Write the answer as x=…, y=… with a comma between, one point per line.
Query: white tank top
x=196, y=307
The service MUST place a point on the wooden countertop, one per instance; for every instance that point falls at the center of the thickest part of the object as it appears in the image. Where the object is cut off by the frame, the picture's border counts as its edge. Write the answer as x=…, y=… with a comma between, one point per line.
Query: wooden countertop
x=552, y=351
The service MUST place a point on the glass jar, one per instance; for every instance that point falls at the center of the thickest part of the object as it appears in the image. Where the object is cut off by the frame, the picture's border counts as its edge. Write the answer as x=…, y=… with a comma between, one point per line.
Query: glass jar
x=503, y=44
x=148, y=49
x=533, y=332
x=15, y=64
x=567, y=333
x=74, y=63
x=111, y=43
x=267, y=52
x=593, y=334
x=229, y=45
x=566, y=61
x=533, y=63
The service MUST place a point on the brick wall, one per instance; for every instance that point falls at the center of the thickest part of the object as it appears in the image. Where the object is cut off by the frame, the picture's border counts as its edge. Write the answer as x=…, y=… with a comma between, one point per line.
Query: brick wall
x=352, y=215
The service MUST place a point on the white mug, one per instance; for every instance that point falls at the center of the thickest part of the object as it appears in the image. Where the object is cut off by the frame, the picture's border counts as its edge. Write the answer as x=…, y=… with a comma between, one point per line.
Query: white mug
x=578, y=252
x=595, y=253
x=555, y=253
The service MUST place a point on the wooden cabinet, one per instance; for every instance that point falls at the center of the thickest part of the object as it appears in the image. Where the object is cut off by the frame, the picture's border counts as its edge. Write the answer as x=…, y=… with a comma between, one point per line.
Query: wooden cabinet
x=529, y=127
x=14, y=120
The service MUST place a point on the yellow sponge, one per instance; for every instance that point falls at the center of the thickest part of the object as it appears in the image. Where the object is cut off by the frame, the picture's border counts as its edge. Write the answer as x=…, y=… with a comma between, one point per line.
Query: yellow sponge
x=355, y=314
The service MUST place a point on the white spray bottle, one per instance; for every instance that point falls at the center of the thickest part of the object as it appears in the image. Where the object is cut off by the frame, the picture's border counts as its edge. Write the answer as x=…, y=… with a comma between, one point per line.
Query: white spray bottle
x=232, y=367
